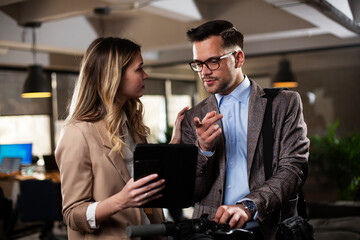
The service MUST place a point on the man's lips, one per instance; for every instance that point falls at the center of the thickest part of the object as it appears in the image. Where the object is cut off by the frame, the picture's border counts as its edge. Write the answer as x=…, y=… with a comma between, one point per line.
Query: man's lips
x=208, y=81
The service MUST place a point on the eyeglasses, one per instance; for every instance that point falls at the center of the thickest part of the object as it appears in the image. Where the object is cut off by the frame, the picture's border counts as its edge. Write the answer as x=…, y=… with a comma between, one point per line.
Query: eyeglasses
x=212, y=63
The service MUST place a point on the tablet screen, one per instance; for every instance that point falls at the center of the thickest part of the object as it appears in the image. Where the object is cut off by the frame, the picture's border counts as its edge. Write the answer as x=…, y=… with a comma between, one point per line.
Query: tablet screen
x=176, y=163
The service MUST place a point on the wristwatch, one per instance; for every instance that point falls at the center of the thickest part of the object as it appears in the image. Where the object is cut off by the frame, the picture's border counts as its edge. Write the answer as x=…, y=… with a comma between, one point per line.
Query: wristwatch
x=250, y=206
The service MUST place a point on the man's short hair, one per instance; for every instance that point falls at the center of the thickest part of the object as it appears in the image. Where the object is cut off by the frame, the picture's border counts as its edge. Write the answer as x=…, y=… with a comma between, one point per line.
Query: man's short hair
x=225, y=29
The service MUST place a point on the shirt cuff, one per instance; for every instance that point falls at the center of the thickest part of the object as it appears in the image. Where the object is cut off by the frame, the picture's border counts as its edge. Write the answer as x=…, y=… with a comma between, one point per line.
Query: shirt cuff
x=206, y=153
x=90, y=215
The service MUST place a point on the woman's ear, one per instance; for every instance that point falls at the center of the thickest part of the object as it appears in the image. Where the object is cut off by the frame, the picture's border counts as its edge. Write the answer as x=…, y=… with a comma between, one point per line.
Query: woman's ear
x=239, y=59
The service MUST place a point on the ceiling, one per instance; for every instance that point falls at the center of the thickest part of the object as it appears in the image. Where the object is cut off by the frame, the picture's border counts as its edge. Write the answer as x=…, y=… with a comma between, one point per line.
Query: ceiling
x=68, y=27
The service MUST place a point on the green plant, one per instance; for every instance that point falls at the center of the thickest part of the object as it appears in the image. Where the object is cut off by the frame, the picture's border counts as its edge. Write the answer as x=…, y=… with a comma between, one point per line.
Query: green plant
x=338, y=159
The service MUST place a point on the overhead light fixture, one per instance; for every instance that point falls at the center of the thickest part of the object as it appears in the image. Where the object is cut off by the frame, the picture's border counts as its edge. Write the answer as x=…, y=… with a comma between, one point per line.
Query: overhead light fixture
x=36, y=85
x=285, y=77
x=101, y=12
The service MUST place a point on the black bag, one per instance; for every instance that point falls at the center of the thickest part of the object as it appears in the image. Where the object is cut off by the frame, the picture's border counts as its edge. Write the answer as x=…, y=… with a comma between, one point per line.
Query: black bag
x=297, y=227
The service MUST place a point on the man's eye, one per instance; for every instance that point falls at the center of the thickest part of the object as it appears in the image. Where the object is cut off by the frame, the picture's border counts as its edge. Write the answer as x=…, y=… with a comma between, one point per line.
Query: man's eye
x=212, y=61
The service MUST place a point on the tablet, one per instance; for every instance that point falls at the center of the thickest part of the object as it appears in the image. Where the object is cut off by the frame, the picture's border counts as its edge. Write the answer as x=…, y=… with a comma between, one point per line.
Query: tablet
x=176, y=163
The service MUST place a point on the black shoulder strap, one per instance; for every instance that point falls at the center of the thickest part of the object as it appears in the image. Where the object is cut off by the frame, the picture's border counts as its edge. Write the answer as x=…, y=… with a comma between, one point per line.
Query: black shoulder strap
x=268, y=142
x=268, y=131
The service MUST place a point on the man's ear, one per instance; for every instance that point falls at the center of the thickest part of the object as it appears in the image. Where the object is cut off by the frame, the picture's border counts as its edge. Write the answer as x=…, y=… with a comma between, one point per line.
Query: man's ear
x=239, y=59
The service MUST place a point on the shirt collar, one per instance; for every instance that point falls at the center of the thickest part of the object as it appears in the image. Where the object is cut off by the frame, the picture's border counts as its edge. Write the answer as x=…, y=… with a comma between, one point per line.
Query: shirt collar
x=240, y=93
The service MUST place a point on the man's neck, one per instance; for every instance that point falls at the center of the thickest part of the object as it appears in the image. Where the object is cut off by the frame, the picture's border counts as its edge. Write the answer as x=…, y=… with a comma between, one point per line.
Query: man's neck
x=239, y=79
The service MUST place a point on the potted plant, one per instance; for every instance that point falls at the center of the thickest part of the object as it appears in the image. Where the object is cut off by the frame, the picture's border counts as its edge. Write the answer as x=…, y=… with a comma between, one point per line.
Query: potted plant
x=338, y=160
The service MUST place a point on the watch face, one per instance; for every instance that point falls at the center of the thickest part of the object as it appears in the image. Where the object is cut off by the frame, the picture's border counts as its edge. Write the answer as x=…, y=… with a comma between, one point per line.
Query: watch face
x=250, y=205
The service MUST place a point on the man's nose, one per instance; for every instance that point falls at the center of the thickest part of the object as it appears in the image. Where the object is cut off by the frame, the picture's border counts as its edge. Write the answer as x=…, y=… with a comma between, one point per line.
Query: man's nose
x=205, y=70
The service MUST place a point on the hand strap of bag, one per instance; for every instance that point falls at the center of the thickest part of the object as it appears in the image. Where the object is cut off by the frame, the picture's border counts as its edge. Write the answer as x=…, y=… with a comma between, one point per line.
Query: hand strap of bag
x=268, y=142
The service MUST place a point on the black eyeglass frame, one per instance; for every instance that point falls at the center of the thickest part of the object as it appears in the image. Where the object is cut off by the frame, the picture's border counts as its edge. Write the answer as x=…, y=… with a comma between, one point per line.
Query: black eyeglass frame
x=217, y=59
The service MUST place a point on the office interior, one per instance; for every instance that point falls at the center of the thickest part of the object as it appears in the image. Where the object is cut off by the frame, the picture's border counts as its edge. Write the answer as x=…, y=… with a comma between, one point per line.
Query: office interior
x=320, y=39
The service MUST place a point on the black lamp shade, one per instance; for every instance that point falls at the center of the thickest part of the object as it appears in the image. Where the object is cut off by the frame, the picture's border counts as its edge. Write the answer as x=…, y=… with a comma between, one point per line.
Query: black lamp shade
x=284, y=77
x=36, y=85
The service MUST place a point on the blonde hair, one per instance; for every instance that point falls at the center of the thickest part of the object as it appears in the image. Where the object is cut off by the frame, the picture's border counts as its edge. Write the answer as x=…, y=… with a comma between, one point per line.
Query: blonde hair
x=96, y=95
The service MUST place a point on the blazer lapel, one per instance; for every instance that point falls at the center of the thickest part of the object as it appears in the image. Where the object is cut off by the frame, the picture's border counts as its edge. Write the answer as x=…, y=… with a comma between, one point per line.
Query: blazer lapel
x=114, y=157
x=211, y=105
x=220, y=141
x=257, y=105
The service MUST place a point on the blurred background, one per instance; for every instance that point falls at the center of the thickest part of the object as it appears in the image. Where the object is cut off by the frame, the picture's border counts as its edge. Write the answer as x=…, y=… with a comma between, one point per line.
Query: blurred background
x=314, y=42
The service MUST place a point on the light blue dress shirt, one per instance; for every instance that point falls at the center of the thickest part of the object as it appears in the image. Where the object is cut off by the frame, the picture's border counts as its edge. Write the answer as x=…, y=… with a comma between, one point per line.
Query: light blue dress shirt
x=235, y=108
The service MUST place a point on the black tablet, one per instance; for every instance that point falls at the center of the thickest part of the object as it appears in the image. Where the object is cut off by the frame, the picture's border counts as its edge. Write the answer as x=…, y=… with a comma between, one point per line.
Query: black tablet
x=176, y=163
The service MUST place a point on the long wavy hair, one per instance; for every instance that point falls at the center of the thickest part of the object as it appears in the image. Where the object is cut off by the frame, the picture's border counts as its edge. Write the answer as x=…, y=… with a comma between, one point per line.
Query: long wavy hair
x=96, y=94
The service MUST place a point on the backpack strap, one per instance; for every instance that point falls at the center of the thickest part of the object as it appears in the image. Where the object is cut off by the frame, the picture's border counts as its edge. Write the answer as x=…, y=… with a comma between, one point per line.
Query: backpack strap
x=268, y=131
x=268, y=144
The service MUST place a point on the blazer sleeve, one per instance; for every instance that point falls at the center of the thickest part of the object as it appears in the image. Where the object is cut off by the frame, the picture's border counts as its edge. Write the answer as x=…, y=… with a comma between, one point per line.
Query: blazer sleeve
x=73, y=158
x=206, y=166
x=290, y=163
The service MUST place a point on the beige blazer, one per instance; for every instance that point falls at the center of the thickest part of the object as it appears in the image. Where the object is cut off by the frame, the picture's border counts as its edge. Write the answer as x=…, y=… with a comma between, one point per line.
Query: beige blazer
x=90, y=171
x=275, y=198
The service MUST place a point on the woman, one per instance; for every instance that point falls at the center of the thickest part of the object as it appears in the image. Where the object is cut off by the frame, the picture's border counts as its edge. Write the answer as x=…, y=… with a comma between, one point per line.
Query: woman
x=95, y=152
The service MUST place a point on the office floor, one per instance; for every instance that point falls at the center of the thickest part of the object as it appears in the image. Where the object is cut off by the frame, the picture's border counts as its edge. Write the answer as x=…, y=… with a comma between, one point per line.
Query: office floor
x=58, y=233
x=59, y=230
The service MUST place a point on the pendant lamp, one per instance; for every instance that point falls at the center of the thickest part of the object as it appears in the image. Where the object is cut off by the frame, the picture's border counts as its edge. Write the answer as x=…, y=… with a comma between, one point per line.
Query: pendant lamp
x=285, y=77
x=36, y=85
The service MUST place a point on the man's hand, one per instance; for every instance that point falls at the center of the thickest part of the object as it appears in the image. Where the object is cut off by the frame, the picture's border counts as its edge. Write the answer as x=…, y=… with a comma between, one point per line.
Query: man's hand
x=235, y=215
x=207, y=130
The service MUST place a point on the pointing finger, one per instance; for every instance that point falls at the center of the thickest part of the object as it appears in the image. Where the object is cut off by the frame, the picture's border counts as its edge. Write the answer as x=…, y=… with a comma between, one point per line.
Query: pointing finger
x=197, y=122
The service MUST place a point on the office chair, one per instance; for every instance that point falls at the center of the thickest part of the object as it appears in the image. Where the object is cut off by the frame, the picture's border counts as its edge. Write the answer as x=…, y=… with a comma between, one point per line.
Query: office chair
x=6, y=212
x=38, y=202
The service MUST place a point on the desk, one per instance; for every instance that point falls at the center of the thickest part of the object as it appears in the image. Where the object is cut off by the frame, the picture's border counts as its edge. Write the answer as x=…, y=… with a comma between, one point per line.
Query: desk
x=10, y=182
x=39, y=202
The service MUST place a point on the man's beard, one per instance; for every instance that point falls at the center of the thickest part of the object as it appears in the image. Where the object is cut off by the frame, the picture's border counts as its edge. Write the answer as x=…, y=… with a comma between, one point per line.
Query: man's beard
x=222, y=87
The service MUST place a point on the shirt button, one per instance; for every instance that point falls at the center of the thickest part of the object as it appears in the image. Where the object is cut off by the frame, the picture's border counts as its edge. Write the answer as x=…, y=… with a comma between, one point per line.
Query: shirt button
x=229, y=186
x=231, y=163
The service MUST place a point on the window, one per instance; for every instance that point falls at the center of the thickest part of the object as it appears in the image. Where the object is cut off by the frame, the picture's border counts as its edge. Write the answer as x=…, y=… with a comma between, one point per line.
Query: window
x=29, y=120
x=163, y=99
x=23, y=120
x=33, y=129
x=155, y=117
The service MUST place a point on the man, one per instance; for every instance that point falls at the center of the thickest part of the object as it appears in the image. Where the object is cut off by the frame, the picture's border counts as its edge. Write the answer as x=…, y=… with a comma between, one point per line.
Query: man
x=231, y=185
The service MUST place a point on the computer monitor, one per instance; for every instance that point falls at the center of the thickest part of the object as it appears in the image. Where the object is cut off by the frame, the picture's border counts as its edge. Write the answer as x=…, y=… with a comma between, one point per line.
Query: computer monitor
x=17, y=150
x=50, y=163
